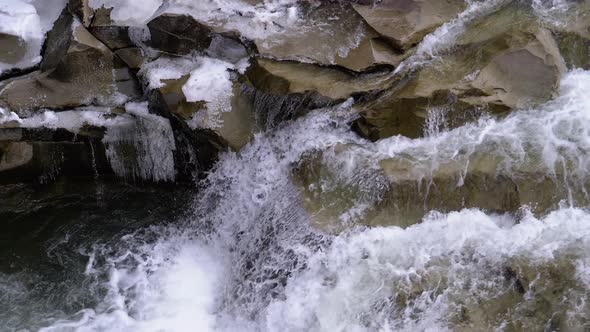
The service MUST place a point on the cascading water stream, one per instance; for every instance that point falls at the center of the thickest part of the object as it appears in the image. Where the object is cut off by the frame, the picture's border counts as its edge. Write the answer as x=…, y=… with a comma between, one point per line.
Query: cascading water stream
x=248, y=259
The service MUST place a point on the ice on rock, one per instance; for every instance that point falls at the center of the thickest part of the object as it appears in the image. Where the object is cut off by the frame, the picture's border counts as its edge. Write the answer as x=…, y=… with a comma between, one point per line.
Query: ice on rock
x=74, y=120
x=23, y=25
x=138, y=144
x=130, y=12
x=143, y=148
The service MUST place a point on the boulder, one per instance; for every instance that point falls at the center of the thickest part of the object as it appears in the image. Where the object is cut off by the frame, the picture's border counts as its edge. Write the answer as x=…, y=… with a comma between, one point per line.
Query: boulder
x=182, y=35
x=86, y=73
x=118, y=39
x=344, y=40
x=204, y=92
x=272, y=100
x=330, y=82
x=23, y=26
x=82, y=10
x=406, y=22
x=522, y=76
x=142, y=143
x=574, y=49
x=179, y=34
x=195, y=151
x=42, y=154
x=495, y=67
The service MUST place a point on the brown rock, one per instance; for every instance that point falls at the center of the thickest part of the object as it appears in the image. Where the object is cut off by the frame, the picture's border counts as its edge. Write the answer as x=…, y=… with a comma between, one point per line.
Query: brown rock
x=496, y=66
x=330, y=82
x=406, y=22
x=88, y=73
x=344, y=40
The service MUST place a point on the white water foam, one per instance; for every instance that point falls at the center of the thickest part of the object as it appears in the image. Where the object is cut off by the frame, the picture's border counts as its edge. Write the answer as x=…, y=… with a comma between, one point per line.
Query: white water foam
x=210, y=82
x=168, y=285
x=527, y=140
x=74, y=120
x=354, y=284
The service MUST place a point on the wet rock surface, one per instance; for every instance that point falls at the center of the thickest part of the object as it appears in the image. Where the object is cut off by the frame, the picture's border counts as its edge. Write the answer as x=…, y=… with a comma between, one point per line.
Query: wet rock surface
x=406, y=22
x=504, y=60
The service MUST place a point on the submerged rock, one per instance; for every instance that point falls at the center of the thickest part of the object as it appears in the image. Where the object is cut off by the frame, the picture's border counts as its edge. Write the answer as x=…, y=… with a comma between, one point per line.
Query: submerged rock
x=342, y=187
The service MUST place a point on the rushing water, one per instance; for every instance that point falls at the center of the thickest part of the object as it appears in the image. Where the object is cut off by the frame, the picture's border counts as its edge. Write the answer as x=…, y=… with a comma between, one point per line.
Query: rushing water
x=242, y=253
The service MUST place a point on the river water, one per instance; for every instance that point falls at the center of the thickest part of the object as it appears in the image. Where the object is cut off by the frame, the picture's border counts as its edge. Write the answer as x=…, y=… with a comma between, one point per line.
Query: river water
x=241, y=252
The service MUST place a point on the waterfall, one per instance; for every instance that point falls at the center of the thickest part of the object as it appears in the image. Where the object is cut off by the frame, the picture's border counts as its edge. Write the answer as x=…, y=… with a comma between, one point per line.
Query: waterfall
x=247, y=258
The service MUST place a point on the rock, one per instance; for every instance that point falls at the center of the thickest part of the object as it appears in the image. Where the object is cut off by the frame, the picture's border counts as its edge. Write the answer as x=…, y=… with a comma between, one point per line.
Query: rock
x=496, y=67
x=406, y=22
x=344, y=40
x=236, y=125
x=13, y=46
x=143, y=143
x=327, y=81
x=133, y=57
x=87, y=74
x=113, y=37
x=527, y=75
x=14, y=154
x=195, y=150
x=41, y=155
x=118, y=40
x=23, y=25
x=58, y=41
x=81, y=9
x=179, y=34
x=182, y=35
x=205, y=93
x=574, y=49
x=370, y=53
x=389, y=116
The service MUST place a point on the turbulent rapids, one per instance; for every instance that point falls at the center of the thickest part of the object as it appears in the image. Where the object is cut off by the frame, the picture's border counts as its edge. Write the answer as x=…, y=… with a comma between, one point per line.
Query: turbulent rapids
x=330, y=213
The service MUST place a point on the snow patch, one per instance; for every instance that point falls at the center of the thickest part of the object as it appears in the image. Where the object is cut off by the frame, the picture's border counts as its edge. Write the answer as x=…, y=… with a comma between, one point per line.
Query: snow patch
x=8, y=116
x=27, y=21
